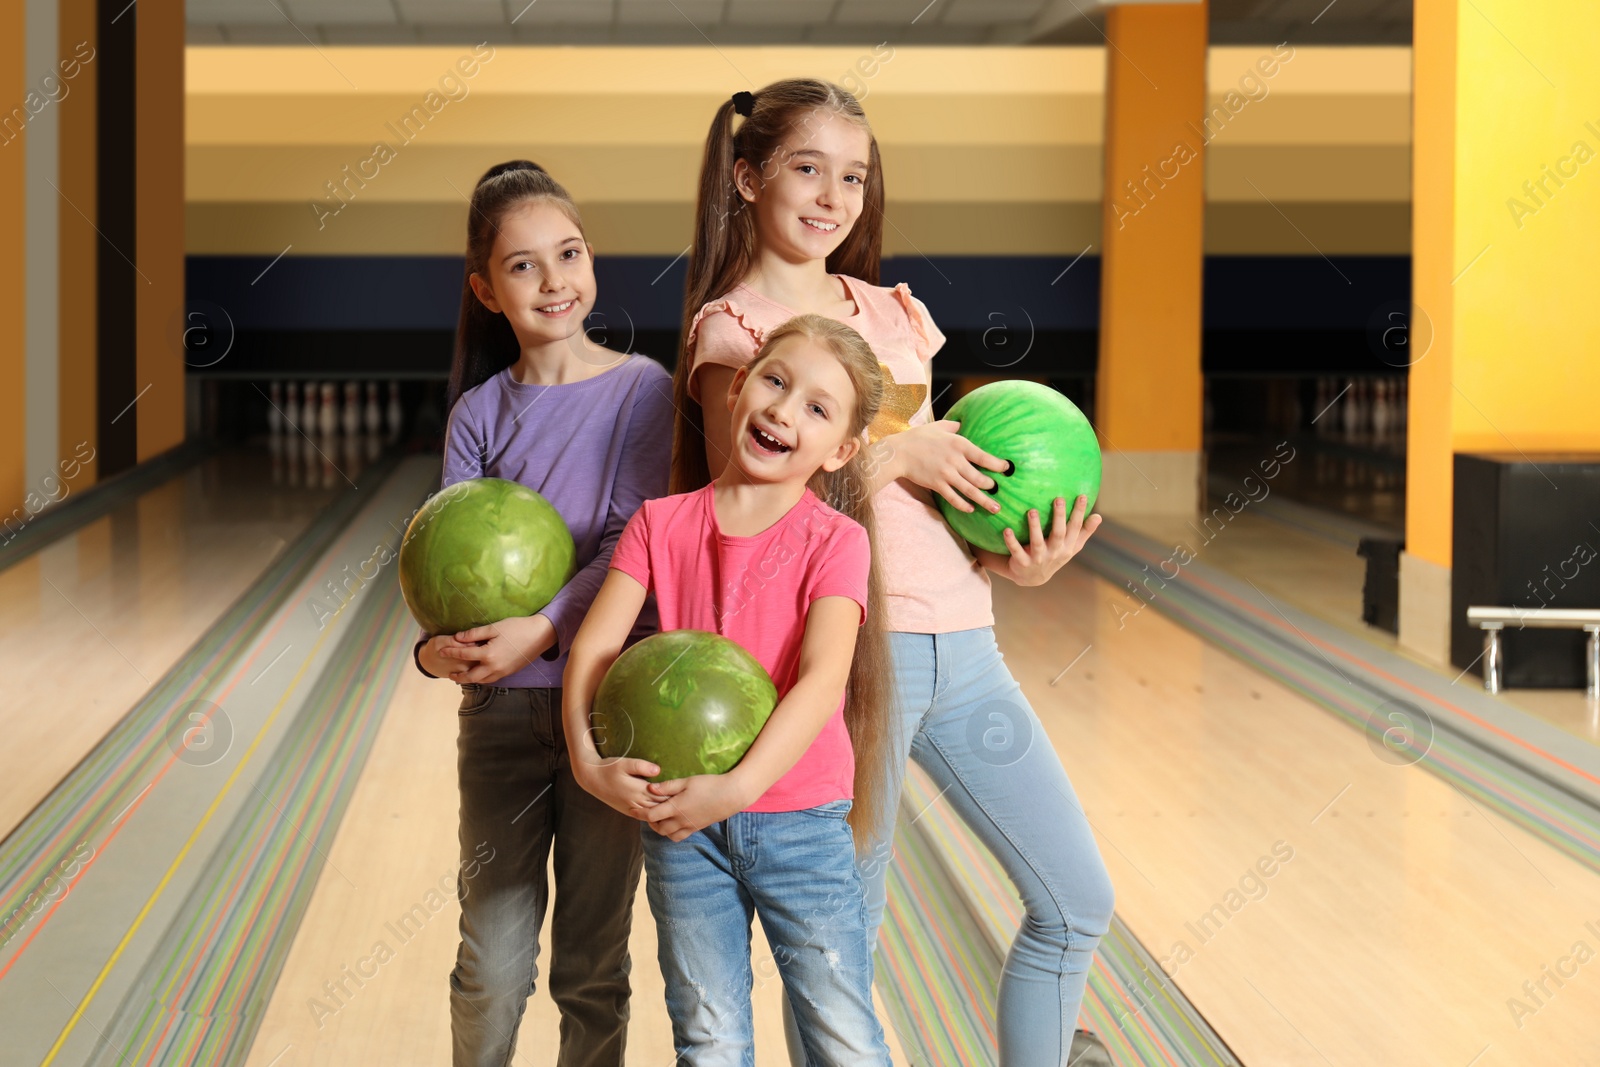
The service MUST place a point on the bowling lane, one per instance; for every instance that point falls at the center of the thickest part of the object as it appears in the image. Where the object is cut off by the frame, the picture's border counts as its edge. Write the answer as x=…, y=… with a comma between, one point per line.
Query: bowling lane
x=362, y=987
x=88, y=623
x=1318, y=903
x=1306, y=557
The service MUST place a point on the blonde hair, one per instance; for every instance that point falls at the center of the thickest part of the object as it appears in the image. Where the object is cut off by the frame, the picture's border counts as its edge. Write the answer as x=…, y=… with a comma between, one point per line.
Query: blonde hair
x=848, y=490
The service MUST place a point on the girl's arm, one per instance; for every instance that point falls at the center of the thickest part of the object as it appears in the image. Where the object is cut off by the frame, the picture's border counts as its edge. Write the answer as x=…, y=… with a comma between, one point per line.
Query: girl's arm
x=621, y=783
x=935, y=456
x=641, y=476
x=826, y=650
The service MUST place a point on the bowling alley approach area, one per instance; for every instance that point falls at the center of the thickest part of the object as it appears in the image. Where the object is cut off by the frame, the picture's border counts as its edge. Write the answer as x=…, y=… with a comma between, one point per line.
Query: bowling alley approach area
x=1300, y=294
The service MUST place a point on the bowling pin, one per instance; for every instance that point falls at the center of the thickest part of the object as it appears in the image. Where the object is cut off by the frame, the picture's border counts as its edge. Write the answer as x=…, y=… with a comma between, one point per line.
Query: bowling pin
x=330, y=409
x=308, y=409
x=274, y=410
x=1380, y=411
x=374, y=414
x=291, y=410
x=395, y=416
x=351, y=421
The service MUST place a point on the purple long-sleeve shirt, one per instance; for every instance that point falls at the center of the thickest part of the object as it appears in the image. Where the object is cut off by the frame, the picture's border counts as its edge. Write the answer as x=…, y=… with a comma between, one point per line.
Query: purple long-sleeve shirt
x=596, y=449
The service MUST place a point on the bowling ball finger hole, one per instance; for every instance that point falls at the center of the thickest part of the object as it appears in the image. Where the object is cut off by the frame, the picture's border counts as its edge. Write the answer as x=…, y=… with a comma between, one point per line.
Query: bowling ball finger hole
x=1008, y=472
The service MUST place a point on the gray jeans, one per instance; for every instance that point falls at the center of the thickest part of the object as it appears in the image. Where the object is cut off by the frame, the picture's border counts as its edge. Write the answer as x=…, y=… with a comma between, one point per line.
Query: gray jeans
x=518, y=798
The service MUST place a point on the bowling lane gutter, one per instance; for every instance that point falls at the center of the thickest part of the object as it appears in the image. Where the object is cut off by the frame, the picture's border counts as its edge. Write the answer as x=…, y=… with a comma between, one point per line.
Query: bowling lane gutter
x=136, y=774
x=1534, y=774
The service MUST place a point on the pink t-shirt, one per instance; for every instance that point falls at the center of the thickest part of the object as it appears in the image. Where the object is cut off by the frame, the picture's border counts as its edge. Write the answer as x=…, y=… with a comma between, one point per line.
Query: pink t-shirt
x=757, y=591
x=931, y=582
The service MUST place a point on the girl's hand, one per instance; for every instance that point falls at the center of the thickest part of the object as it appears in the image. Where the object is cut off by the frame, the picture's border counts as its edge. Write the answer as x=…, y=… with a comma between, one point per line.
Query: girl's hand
x=685, y=805
x=1043, y=556
x=440, y=663
x=491, y=652
x=936, y=457
x=623, y=783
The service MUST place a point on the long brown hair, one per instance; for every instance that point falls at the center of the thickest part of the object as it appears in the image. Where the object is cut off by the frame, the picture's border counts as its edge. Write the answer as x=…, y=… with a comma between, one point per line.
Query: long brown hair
x=725, y=234
x=485, y=343
x=848, y=490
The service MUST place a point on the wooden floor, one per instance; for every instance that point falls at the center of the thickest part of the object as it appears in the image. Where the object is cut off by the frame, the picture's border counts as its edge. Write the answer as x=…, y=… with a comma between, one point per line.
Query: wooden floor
x=1406, y=918
x=1398, y=924
x=90, y=622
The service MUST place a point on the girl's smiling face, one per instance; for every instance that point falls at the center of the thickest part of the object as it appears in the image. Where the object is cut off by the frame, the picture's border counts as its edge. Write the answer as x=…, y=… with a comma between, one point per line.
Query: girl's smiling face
x=539, y=274
x=792, y=413
x=810, y=193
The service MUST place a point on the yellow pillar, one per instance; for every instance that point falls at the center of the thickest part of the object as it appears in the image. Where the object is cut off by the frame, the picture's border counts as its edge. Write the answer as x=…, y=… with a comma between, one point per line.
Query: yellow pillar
x=1506, y=193
x=1148, y=391
x=158, y=73
x=13, y=272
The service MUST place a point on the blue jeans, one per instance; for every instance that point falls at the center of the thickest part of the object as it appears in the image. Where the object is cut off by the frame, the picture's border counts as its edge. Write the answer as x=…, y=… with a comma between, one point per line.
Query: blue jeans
x=964, y=719
x=797, y=870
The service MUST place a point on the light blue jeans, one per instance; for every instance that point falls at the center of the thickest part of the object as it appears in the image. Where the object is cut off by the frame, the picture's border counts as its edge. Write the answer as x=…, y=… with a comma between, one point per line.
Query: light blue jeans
x=965, y=721
x=797, y=871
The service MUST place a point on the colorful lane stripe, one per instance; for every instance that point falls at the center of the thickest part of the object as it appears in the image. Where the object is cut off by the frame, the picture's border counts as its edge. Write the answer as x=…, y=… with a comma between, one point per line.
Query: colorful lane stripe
x=97, y=796
x=202, y=994
x=951, y=915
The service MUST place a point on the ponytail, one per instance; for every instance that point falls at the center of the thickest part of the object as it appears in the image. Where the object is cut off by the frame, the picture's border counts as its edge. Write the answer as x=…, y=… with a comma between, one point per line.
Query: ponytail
x=869, y=692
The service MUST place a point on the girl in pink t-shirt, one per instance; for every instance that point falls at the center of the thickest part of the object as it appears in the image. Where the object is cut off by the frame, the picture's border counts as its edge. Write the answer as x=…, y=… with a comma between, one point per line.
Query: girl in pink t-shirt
x=774, y=555
x=790, y=219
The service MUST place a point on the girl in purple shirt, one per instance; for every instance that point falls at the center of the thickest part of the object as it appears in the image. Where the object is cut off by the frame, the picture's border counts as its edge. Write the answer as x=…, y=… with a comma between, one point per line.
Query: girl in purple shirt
x=534, y=401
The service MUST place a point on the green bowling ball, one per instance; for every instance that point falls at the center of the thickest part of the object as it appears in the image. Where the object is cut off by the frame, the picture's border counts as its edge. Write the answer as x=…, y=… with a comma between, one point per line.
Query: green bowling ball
x=1052, y=449
x=688, y=701
x=480, y=551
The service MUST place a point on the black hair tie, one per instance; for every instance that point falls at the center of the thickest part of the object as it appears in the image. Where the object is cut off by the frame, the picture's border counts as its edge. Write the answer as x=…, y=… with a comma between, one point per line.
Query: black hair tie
x=744, y=102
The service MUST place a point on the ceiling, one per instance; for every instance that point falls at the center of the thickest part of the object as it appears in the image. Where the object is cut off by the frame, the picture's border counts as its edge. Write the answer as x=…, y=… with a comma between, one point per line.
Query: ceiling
x=755, y=22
